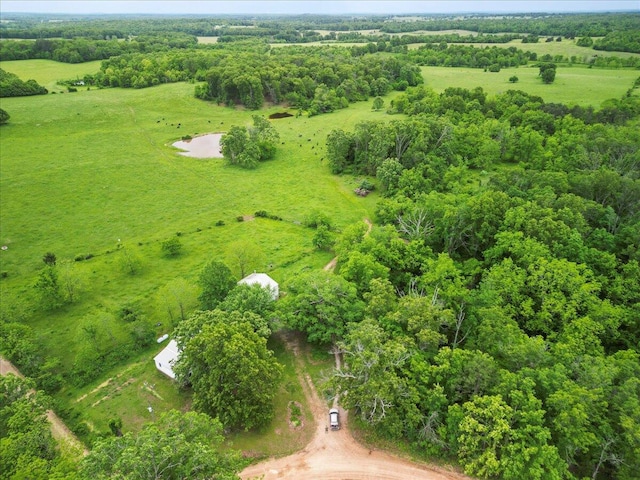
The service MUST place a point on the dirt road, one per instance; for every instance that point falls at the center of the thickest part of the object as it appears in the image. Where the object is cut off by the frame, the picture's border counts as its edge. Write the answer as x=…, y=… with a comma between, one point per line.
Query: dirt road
x=58, y=428
x=331, y=266
x=335, y=455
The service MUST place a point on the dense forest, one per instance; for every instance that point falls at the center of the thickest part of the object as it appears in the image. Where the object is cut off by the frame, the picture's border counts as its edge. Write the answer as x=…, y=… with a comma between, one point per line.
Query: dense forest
x=496, y=318
x=490, y=318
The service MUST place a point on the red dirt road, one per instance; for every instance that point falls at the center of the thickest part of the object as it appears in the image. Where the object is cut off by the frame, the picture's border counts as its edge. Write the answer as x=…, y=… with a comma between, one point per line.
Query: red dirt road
x=335, y=455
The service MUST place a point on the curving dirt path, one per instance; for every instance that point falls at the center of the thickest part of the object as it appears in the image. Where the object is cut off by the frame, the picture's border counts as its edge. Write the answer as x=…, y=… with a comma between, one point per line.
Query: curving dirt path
x=331, y=266
x=335, y=455
x=59, y=429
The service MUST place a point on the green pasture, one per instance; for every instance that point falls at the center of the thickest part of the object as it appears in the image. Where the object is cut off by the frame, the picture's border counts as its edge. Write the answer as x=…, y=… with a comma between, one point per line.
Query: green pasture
x=566, y=48
x=83, y=172
x=573, y=85
x=47, y=73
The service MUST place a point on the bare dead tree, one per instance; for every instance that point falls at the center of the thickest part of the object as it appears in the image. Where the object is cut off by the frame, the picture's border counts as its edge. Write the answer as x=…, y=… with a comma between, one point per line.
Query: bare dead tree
x=429, y=429
x=459, y=320
x=403, y=140
x=606, y=456
x=415, y=225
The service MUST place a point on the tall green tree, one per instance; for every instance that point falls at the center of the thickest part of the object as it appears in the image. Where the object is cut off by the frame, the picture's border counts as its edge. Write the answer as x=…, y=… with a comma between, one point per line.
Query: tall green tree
x=548, y=72
x=234, y=376
x=179, y=445
x=321, y=305
x=48, y=288
x=27, y=448
x=216, y=281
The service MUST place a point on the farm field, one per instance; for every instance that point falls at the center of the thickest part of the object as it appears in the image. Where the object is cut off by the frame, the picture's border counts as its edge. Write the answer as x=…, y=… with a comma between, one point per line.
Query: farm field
x=427, y=317
x=47, y=73
x=577, y=85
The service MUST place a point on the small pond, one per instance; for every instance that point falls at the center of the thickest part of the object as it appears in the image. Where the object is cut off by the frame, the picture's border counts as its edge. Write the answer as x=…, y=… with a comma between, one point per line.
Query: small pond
x=204, y=146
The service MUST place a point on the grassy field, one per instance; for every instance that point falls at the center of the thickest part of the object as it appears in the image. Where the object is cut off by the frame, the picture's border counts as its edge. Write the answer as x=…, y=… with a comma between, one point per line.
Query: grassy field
x=577, y=85
x=566, y=47
x=47, y=73
x=82, y=172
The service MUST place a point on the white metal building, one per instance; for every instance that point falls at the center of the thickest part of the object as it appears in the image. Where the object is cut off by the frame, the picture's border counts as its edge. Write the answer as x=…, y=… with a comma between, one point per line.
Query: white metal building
x=264, y=280
x=166, y=359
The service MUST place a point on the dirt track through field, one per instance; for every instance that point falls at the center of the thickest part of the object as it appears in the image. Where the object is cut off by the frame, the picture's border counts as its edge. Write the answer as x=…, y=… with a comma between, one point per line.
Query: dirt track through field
x=335, y=455
x=331, y=266
x=58, y=428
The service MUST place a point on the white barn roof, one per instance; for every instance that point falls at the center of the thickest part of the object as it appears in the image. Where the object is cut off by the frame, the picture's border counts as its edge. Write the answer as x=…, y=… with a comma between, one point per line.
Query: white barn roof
x=166, y=359
x=264, y=280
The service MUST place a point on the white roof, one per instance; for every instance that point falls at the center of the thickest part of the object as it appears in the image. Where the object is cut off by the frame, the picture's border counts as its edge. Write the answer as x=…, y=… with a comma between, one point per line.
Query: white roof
x=166, y=358
x=262, y=279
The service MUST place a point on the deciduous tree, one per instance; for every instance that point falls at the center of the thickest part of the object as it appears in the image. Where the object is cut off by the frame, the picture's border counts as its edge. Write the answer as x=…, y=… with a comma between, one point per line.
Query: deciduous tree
x=321, y=304
x=216, y=281
x=234, y=376
x=178, y=445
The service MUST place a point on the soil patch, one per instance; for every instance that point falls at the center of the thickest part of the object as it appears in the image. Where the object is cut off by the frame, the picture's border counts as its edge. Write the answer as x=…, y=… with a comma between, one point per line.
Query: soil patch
x=274, y=116
x=204, y=146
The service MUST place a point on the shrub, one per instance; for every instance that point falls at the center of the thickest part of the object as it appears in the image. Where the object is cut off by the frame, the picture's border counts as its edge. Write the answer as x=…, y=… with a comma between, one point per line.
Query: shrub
x=514, y=79
x=219, y=223
x=128, y=313
x=317, y=218
x=171, y=247
x=367, y=185
x=240, y=218
x=261, y=213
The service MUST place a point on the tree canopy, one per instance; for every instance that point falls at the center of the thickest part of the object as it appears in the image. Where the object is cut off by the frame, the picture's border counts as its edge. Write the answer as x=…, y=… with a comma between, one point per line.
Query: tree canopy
x=178, y=445
x=231, y=371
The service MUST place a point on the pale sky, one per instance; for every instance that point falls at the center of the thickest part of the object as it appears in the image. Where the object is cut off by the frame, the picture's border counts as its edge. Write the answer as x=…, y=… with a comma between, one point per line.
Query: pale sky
x=334, y=7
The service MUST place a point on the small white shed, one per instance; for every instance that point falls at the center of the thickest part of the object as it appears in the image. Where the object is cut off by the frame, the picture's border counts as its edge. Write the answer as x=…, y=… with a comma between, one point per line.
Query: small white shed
x=166, y=359
x=264, y=280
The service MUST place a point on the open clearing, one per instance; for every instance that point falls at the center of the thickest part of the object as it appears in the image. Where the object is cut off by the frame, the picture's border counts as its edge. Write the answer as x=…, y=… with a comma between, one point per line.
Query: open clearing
x=576, y=85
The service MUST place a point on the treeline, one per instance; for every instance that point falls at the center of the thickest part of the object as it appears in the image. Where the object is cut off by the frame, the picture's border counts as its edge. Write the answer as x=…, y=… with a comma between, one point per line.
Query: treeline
x=12, y=86
x=408, y=38
x=568, y=25
x=80, y=50
x=303, y=27
x=492, y=319
x=619, y=41
x=318, y=80
x=442, y=54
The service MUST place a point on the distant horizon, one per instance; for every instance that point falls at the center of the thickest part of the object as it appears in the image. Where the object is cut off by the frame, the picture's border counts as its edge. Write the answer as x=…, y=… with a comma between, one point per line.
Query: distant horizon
x=315, y=7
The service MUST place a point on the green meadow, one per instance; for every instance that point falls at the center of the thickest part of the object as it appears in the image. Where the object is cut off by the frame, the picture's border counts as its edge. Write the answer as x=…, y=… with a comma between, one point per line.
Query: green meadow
x=84, y=172
x=573, y=85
